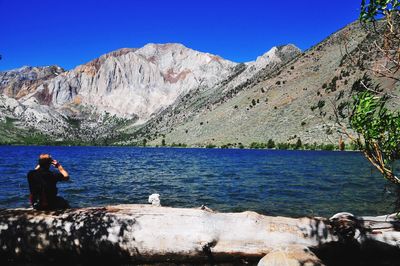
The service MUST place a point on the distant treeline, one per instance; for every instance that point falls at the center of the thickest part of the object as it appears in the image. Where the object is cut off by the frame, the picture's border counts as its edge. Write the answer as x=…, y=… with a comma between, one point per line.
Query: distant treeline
x=39, y=139
x=271, y=144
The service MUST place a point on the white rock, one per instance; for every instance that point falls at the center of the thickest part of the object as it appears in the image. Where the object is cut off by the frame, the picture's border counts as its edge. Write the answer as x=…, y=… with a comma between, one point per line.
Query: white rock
x=154, y=199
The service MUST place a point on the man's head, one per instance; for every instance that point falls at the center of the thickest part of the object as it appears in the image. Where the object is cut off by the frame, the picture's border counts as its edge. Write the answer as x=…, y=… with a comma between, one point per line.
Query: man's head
x=45, y=161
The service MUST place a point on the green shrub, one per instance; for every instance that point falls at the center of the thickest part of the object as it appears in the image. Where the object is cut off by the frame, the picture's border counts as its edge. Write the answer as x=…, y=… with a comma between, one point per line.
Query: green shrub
x=257, y=145
x=321, y=104
x=182, y=145
x=270, y=144
x=283, y=146
x=298, y=144
x=327, y=147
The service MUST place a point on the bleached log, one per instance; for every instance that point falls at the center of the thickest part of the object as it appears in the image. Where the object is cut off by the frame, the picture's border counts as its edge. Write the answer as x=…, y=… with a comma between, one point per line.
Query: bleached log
x=150, y=234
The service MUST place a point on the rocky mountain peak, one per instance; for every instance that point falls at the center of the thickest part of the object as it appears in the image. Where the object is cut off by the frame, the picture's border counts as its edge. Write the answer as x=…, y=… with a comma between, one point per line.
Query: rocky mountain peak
x=278, y=54
x=135, y=82
x=20, y=81
x=288, y=51
x=174, y=53
x=29, y=73
x=93, y=66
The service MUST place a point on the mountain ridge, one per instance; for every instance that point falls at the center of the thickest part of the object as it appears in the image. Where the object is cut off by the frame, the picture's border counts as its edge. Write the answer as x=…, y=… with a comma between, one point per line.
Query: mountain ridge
x=160, y=73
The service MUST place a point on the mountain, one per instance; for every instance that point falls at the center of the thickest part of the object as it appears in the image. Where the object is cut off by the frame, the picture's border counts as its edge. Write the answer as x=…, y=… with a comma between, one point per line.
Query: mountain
x=168, y=93
x=136, y=82
x=90, y=101
x=285, y=103
x=197, y=103
x=124, y=87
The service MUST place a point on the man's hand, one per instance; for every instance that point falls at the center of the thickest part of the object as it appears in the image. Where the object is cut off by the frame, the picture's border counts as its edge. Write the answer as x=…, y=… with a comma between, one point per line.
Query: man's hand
x=55, y=163
x=61, y=169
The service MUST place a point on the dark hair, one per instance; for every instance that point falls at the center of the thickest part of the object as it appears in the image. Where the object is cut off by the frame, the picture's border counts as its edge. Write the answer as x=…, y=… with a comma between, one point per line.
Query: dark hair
x=45, y=162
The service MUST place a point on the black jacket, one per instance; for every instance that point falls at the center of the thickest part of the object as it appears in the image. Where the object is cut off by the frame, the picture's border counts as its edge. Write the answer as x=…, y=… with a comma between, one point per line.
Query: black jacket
x=43, y=187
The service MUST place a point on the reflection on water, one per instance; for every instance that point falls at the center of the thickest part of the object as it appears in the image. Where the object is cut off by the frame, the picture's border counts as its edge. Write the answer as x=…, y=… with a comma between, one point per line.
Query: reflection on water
x=295, y=183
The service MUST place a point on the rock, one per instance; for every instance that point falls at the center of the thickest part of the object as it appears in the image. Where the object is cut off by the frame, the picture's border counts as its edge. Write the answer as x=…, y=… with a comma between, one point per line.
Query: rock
x=290, y=256
x=205, y=208
x=154, y=199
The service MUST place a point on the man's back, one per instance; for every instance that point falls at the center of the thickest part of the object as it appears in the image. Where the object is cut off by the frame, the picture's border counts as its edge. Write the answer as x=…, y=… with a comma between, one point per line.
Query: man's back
x=44, y=181
x=43, y=185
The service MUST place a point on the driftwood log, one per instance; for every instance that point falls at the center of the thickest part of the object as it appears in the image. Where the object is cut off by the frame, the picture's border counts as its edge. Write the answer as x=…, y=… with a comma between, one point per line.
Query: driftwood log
x=146, y=234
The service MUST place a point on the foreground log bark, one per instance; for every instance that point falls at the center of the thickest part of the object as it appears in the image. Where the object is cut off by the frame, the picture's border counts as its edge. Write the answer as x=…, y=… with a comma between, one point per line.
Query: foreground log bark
x=148, y=234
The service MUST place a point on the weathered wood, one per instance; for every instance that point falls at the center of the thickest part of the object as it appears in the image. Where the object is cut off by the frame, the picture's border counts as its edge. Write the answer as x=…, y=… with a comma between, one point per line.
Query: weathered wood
x=150, y=234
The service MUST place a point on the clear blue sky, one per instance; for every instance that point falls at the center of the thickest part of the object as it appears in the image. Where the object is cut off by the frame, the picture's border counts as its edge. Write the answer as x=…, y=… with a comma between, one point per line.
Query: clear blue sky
x=69, y=33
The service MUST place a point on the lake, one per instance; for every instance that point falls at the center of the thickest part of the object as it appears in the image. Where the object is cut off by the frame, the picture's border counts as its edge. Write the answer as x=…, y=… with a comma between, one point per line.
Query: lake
x=272, y=182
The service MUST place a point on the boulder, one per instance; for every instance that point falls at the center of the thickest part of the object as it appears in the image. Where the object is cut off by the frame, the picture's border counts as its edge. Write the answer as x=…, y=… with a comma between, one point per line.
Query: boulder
x=290, y=256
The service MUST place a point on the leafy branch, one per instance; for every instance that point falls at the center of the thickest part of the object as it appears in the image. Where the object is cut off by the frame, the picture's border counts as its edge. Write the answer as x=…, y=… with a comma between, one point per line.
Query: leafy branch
x=378, y=128
x=378, y=132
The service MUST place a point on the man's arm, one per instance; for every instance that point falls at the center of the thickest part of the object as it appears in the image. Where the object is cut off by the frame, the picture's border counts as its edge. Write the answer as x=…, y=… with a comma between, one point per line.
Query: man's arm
x=61, y=169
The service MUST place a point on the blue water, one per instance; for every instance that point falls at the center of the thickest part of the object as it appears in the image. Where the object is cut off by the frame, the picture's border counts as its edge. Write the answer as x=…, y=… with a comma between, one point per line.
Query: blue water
x=272, y=182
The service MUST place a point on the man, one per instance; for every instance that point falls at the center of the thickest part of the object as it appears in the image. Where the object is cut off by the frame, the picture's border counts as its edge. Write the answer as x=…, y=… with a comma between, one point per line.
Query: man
x=43, y=185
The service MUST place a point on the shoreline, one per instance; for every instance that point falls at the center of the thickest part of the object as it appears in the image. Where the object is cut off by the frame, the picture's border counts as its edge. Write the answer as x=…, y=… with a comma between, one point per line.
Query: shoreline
x=170, y=147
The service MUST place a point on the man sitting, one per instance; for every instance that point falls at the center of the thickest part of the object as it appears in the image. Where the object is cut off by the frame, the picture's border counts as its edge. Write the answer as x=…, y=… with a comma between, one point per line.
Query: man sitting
x=42, y=185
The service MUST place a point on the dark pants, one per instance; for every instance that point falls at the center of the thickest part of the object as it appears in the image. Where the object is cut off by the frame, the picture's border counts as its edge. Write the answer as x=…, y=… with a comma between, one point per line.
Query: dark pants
x=59, y=203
